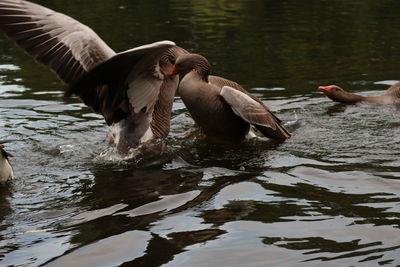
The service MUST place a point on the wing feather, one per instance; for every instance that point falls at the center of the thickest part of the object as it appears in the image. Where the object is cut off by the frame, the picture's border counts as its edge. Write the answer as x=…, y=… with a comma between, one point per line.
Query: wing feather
x=53, y=38
x=254, y=112
x=143, y=92
x=132, y=76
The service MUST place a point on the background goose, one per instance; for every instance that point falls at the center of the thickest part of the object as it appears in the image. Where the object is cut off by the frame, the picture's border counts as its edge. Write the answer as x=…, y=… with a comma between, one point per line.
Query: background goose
x=6, y=171
x=222, y=108
x=334, y=92
x=130, y=89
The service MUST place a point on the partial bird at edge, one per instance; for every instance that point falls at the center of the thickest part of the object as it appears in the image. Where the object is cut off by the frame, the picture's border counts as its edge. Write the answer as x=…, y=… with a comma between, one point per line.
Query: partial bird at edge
x=338, y=94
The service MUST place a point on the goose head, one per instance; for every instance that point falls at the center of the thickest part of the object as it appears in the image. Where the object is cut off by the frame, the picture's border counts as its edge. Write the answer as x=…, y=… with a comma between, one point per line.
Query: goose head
x=192, y=62
x=338, y=94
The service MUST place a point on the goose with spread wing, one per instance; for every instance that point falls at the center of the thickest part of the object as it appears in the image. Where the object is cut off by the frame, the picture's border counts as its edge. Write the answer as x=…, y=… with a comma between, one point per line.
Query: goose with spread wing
x=220, y=107
x=131, y=89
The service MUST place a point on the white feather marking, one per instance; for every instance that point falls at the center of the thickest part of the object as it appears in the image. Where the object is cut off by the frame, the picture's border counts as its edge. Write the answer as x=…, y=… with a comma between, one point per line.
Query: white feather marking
x=6, y=171
x=143, y=92
x=251, y=134
x=148, y=135
x=115, y=131
x=159, y=44
x=232, y=95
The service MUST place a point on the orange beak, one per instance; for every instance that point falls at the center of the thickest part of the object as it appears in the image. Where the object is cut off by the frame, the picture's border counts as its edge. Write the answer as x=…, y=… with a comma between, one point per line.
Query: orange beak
x=325, y=89
x=174, y=71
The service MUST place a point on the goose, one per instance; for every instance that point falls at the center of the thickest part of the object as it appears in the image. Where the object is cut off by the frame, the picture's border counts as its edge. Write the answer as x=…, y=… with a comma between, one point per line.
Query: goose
x=131, y=89
x=220, y=107
x=338, y=94
x=6, y=171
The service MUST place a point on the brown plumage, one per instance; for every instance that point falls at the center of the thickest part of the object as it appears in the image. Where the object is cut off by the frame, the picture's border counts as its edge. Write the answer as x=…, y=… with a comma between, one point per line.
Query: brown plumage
x=334, y=92
x=220, y=107
x=131, y=89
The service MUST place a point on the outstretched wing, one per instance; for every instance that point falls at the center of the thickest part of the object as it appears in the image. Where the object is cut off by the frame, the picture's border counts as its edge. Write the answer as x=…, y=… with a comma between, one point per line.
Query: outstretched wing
x=254, y=113
x=128, y=82
x=70, y=48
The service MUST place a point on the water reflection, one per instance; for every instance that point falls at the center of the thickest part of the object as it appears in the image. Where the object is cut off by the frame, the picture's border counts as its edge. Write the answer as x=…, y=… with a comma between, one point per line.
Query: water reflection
x=146, y=199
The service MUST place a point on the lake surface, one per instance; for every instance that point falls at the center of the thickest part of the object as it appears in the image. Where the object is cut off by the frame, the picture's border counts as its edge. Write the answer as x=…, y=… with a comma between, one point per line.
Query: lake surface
x=330, y=195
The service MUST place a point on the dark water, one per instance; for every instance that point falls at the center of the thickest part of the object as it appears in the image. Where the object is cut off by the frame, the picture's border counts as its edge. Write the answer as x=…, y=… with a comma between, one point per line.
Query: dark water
x=329, y=195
